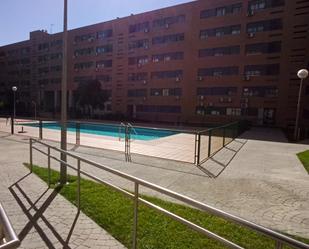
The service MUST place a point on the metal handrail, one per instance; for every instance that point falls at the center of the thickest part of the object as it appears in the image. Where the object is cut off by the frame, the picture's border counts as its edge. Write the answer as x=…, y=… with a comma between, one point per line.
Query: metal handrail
x=119, y=130
x=279, y=238
x=8, y=237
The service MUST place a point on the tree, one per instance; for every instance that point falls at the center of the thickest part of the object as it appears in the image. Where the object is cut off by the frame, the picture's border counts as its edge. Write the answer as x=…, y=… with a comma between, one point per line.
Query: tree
x=90, y=96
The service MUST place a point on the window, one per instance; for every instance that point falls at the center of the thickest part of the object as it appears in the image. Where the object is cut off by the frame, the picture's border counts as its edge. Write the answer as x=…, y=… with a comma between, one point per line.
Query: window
x=221, y=11
x=256, y=5
x=138, y=76
x=165, y=92
x=218, y=71
x=56, y=56
x=82, y=79
x=166, y=22
x=139, y=44
x=167, y=74
x=139, y=27
x=43, y=46
x=137, y=93
x=57, y=68
x=216, y=91
x=263, y=48
x=24, y=51
x=262, y=26
x=168, y=39
x=260, y=91
x=168, y=56
x=158, y=108
x=104, y=78
x=257, y=70
x=84, y=65
x=220, y=31
x=140, y=61
x=87, y=37
x=105, y=34
x=104, y=63
x=43, y=70
x=233, y=111
x=25, y=61
x=84, y=51
x=55, y=80
x=56, y=43
x=219, y=51
x=104, y=49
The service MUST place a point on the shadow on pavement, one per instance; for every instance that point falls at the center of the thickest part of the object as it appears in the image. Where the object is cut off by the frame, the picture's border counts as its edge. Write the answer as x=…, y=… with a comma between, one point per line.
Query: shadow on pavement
x=39, y=214
x=215, y=165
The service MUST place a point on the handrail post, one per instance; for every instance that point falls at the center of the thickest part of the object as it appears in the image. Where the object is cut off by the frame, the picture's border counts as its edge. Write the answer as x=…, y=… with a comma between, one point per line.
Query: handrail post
x=135, y=217
x=78, y=185
x=278, y=245
x=209, y=142
x=199, y=148
x=30, y=145
x=48, y=165
x=41, y=129
x=77, y=133
x=223, y=136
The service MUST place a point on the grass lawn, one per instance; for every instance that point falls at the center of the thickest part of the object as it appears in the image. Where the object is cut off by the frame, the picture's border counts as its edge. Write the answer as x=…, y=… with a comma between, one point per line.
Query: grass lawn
x=114, y=212
x=304, y=158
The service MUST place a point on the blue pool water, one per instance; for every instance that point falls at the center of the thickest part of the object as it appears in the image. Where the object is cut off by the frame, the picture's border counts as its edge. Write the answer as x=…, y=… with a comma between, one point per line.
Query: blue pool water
x=111, y=130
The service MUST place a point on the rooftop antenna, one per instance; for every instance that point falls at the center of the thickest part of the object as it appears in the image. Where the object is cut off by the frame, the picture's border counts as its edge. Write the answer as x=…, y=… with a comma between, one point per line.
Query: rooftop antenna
x=51, y=28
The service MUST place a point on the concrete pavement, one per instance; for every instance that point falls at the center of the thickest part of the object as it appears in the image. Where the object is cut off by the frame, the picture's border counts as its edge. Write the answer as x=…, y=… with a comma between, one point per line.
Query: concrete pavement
x=264, y=183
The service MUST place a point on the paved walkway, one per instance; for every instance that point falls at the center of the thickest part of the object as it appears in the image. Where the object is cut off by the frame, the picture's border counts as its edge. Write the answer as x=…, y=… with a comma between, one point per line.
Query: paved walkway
x=41, y=217
x=264, y=183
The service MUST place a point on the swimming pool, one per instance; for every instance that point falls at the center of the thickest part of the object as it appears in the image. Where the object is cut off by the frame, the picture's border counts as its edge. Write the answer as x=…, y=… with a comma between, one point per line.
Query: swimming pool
x=110, y=130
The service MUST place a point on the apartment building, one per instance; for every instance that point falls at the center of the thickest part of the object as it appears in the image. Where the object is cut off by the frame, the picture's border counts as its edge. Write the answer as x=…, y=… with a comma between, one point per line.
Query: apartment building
x=200, y=62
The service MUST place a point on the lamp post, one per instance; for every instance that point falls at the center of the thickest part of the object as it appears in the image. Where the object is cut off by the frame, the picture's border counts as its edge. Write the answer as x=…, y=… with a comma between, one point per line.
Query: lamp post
x=63, y=167
x=301, y=74
x=14, y=89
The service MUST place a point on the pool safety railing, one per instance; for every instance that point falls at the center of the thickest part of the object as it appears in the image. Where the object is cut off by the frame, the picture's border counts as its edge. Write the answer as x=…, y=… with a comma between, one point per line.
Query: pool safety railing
x=210, y=141
x=203, y=144
x=8, y=237
x=280, y=239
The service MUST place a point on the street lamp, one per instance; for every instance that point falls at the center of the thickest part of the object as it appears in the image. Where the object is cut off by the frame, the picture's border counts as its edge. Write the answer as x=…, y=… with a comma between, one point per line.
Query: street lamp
x=14, y=89
x=302, y=74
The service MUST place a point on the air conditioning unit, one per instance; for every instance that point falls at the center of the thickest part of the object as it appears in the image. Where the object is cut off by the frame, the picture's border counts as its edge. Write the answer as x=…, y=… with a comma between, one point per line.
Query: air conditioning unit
x=144, y=82
x=76, y=69
x=251, y=35
x=201, y=97
x=146, y=30
x=200, y=78
x=221, y=100
x=144, y=98
x=91, y=39
x=177, y=97
x=155, y=60
x=210, y=104
x=229, y=100
x=146, y=46
x=139, y=65
x=96, y=69
x=247, y=77
x=177, y=79
x=167, y=26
